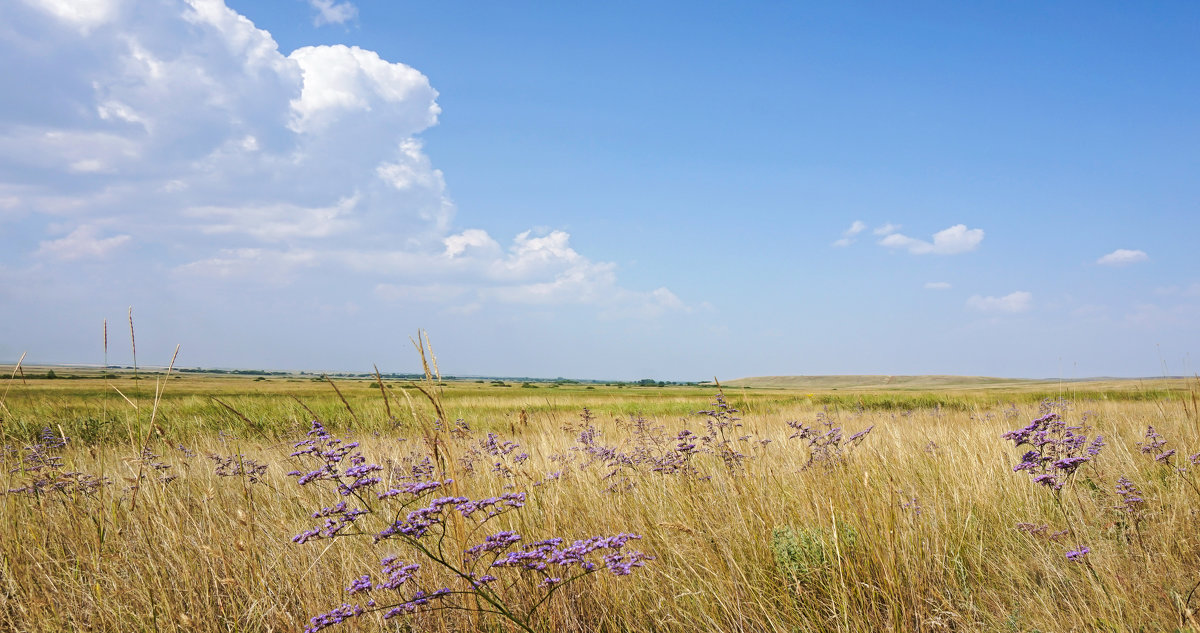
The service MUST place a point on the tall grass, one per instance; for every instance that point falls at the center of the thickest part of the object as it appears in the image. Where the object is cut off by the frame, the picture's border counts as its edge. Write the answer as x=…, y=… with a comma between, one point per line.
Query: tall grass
x=912, y=527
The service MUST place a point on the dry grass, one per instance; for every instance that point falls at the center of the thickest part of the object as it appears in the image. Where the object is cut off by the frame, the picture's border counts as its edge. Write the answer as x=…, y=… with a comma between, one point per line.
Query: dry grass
x=915, y=529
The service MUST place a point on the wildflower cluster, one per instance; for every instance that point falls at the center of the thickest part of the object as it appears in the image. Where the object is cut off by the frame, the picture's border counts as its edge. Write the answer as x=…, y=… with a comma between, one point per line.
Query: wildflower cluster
x=238, y=465
x=652, y=449
x=1155, y=445
x=441, y=528
x=721, y=422
x=1057, y=450
x=1132, y=502
x=331, y=453
x=44, y=471
x=827, y=443
x=613, y=460
x=496, y=450
x=150, y=466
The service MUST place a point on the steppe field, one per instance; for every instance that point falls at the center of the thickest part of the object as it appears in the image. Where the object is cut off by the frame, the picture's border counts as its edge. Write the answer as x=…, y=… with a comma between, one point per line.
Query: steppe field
x=187, y=501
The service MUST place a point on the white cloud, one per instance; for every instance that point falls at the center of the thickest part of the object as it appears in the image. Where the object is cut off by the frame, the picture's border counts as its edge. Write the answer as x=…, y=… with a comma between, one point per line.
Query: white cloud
x=333, y=12
x=588, y=283
x=278, y=222
x=848, y=235
x=1020, y=301
x=472, y=269
x=84, y=14
x=83, y=242
x=937, y=285
x=531, y=255
x=1123, y=257
x=644, y=305
x=952, y=241
x=184, y=125
x=342, y=81
x=470, y=239
x=262, y=265
x=411, y=170
x=88, y=165
x=886, y=229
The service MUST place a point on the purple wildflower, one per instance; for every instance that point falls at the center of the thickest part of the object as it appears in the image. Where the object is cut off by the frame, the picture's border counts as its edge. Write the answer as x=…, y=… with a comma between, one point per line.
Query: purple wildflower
x=1056, y=450
x=337, y=518
x=1131, y=498
x=1033, y=529
x=414, y=488
x=1077, y=555
x=239, y=466
x=335, y=616
x=551, y=562
x=499, y=541
x=363, y=583
x=1152, y=443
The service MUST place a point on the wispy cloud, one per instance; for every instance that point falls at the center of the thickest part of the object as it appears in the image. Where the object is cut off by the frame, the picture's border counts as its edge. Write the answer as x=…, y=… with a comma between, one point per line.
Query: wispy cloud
x=83, y=242
x=952, y=241
x=886, y=229
x=333, y=11
x=1191, y=290
x=1123, y=257
x=848, y=236
x=1019, y=301
x=937, y=285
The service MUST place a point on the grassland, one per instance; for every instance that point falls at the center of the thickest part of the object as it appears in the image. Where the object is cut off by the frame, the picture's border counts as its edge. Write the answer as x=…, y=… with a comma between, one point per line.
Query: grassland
x=773, y=523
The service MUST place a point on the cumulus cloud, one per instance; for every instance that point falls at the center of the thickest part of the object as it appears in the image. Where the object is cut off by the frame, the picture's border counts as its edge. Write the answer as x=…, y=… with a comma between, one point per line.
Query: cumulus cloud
x=937, y=285
x=180, y=126
x=849, y=234
x=459, y=243
x=342, y=81
x=83, y=14
x=1123, y=257
x=952, y=241
x=333, y=12
x=886, y=229
x=1019, y=301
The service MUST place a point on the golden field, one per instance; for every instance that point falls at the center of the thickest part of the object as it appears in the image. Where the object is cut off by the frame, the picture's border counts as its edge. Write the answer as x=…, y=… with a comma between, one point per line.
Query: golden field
x=152, y=518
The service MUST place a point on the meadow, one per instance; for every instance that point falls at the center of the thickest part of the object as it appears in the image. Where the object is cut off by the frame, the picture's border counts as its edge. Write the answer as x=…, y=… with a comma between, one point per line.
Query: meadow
x=163, y=502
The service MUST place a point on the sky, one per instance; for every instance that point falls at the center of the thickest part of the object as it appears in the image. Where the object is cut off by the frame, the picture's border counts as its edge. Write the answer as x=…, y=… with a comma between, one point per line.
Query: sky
x=617, y=190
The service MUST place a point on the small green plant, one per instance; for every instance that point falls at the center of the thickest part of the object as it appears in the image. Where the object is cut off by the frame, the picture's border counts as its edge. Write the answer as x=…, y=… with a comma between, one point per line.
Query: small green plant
x=798, y=552
x=804, y=554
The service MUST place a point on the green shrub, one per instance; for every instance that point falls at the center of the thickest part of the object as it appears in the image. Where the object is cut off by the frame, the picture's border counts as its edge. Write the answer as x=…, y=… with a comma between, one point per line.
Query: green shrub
x=804, y=555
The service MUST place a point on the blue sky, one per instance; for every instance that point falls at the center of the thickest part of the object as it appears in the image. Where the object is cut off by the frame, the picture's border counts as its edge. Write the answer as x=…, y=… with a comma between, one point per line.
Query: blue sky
x=621, y=190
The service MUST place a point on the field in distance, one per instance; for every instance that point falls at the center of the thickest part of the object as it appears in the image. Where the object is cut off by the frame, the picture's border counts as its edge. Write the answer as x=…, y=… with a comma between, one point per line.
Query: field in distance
x=954, y=383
